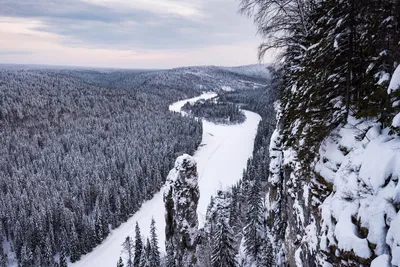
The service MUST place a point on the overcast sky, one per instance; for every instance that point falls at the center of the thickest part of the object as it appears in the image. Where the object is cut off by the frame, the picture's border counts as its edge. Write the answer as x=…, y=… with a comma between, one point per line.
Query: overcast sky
x=126, y=33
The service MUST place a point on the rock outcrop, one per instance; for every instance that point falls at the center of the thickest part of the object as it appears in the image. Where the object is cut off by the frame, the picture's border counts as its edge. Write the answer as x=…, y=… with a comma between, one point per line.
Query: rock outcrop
x=181, y=198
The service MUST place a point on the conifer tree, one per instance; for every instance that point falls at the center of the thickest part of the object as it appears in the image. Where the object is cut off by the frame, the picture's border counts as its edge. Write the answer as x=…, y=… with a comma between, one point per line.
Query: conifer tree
x=63, y=259
x=155, y=259
x=48, y=253
x=128, y=251
x=269, y=259
x=120, y=263
x=138, y=246
x=223, y=253
x=3, y=256
x=146, y=254
x=26, y=256
x=75, y=248
x=254, y=226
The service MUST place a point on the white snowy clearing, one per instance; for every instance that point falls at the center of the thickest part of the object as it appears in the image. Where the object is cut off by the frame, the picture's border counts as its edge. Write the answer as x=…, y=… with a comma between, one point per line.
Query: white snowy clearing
x=221, y=158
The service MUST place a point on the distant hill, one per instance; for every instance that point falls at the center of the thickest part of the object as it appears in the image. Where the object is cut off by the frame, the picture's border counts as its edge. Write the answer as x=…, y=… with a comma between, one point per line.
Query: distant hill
x=256, y=71
x=185, y=79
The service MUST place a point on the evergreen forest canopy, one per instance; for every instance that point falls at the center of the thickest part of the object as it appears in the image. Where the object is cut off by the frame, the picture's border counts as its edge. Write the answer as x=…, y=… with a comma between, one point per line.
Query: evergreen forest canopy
x=215, y=111
x=81, y=150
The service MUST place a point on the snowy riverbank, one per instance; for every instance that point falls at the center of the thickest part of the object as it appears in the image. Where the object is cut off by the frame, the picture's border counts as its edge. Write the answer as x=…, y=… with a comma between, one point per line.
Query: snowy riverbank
x=221, y=158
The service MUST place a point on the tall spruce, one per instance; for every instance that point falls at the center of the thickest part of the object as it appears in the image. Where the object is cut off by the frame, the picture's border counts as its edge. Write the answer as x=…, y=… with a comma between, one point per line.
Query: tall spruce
x=128, y=251
x=253, y=231
x=146, y=254
x=63, y=259
x=223, y=252
x=154, y=258
x=138, y=246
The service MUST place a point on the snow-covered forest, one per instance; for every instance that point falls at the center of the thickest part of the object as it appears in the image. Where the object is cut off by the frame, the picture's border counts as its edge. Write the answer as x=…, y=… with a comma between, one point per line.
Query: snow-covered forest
x=79, y=155
x=217, y=112
x=293, y=164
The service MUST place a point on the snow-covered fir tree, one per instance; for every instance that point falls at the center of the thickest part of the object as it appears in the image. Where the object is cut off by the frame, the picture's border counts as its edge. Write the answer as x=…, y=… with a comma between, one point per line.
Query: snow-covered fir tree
x=223, y=252
x=146, y=254
x=128, y=248
x=63, y=259
x=154, y=257
x=253, y=231
x=138, y=247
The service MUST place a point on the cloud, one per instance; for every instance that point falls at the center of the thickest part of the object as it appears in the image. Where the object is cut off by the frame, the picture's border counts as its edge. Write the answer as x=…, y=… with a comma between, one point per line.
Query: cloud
x=188, y=9
x=9, y=52
x=141, y=26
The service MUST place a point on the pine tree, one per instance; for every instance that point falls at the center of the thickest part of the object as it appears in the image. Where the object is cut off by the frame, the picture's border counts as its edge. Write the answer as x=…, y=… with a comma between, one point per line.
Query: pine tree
x=254, y=226
x=75, y=248
x=223, y=253
x=266, y=255
x=128, y=251
x=48, y=258
x=26, y=256
x=146, y=254
x=37, y=257
x=3, y=256
x=120, y=263
x=269, y=259
x=138, y=246
x=63, y=259
x=155, y=259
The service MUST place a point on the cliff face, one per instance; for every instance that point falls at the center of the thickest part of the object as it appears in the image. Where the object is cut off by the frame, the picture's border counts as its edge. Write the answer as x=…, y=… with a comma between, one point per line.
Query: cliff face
x=345, y=211
x=290, y=207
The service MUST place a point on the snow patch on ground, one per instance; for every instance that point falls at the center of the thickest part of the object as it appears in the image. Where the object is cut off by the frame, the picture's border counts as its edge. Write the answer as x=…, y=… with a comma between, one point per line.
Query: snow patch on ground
x=220, y=158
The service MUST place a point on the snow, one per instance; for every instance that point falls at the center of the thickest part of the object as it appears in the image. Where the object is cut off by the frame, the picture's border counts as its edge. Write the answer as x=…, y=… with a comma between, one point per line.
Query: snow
x=348, y=240
x=299, y=262
x=220, y=158
x=299, y=213
x=381, y=261
x=384, y=78
x=365, y=177
x=396, y=121
x=374, y=174
x=393, y=239
x=311, y=236
x=173, y=174
x=395, y=82
x=177, y=106
x=227, y=88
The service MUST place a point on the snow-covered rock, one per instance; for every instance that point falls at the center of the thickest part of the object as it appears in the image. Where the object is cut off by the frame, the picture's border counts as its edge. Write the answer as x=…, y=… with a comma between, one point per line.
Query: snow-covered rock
x=180, y=199
x=346, y=210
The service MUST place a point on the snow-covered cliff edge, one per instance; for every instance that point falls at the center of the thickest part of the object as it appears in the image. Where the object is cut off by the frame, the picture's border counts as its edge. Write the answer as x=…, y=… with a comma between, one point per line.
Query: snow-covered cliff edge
x=345, y=212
